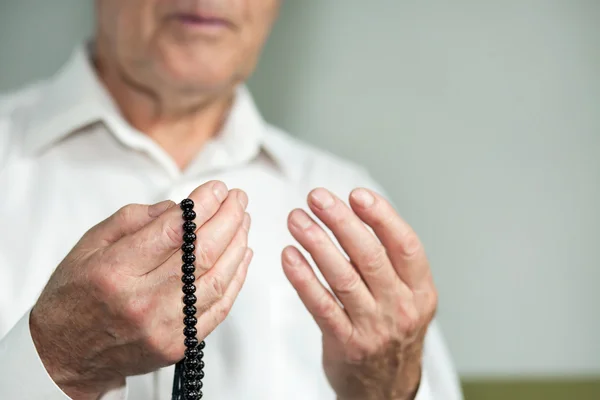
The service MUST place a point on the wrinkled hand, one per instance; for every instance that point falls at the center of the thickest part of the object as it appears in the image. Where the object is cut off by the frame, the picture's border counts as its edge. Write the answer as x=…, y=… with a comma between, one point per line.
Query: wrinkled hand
x=372, y=344
x=113, y=307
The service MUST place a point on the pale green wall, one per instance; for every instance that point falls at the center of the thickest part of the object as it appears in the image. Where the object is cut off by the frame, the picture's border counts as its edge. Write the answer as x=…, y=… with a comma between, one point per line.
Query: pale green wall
x=37, y=35
x=481, y=119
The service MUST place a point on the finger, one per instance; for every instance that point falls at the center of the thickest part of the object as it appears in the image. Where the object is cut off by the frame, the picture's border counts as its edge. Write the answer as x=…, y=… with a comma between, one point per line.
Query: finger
x=325, y=310
x=171, y=271
x=213, y=284
x=126, y=221
x=401, y=242
x=343, y=278
x=152, y=245
x=219, y=311
x=208, y=288
x=216, y=234
x=363, y=248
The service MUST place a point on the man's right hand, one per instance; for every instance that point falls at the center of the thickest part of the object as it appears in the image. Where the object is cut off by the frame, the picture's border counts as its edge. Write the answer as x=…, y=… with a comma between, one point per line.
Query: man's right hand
x=113, y=307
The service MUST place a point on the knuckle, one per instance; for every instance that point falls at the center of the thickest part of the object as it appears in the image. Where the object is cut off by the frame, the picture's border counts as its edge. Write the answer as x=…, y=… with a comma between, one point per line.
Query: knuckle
x=206, y=254
x=217, y=287
x=89, y=234
x=221, y=312
x=205, y=206
x=411, y=244
x=374, y=347
x=108, y=284
x=431, y=301
x=126, y=213
x=382, y=338
x=409, y=321
x=357, y=352
x=173, y=278
x=136, y=310
x=325, y=308
x=337, y=215
x=375, y=260
x=316, y=236
x=347, y=283
x=173, y=234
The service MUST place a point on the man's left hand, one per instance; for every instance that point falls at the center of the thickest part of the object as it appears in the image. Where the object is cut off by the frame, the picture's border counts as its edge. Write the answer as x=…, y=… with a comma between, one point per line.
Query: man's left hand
x=373, y=340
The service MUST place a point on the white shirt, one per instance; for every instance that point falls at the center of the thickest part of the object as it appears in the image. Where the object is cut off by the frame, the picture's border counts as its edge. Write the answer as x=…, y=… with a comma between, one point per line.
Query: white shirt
x=68, y=160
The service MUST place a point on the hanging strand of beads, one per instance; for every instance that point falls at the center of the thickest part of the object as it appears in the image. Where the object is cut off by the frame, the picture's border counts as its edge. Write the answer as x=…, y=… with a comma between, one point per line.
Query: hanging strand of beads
x=187, y=383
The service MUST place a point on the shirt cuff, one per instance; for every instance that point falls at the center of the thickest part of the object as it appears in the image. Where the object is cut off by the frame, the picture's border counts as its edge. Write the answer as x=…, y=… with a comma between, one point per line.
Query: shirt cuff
x=22, y=373
x=424, y=392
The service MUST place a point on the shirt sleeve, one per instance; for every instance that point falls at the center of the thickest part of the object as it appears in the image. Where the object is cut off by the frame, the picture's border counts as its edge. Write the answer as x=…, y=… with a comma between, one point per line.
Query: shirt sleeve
x=22, y=373
x=439, y=380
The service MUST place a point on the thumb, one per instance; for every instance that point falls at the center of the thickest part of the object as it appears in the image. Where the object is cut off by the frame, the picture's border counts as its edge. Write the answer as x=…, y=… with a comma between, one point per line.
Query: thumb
x=126, y=221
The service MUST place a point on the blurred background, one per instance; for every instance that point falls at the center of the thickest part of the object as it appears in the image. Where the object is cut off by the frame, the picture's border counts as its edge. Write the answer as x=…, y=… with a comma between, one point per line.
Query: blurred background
x=482, y=121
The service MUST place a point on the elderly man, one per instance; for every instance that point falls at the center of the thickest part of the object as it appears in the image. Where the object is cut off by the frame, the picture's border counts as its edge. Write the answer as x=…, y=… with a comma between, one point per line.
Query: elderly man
x=154, y=108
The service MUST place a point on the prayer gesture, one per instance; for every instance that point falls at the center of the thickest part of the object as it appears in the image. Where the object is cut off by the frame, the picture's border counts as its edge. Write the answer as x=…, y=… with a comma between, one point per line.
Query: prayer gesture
x=373, y=341
x=113, y=307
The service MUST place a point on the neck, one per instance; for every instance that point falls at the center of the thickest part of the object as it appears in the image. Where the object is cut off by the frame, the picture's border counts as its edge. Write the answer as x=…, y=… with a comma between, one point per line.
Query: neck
x=180, y=123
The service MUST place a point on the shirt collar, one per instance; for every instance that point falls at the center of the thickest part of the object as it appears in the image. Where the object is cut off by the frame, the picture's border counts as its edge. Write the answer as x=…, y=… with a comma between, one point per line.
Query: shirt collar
x=75, y=98
x=72, y=99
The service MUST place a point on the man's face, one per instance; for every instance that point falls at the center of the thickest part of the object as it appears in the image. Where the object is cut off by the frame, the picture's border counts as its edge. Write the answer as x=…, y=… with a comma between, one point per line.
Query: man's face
x=185, y=45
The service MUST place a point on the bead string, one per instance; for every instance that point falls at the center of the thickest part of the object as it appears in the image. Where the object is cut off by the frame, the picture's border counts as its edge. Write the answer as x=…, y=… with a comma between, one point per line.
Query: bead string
x=187, y=383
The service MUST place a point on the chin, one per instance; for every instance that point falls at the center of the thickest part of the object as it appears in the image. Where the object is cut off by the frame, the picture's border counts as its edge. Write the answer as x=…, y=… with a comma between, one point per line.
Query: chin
x=201, y=70
x=200, y=81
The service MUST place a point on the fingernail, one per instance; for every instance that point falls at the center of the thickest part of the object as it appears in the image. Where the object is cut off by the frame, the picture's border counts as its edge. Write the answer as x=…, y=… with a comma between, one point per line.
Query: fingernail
x=291, y=257
x=157, y=209
x=322, y=198
x=220, y=191
x=301, y=220
x=363, y=198
x=246, y=222
x=243, y=199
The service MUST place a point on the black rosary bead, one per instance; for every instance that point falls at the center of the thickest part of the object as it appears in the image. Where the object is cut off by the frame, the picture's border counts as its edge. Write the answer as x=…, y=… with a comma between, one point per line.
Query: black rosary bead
x=189, y=299
x=191, y=342
x=189, y=310
x=189, y=288
x=191, y=363
x=188, y=278
x=188, y=247
x=190, y=331
x=189, y=215
x=193, y=385
x=191, y=352
x=191, y=374
x=188, y=258
x=189, y=237
x=193, y=395
x=188, y=268
x=187, y=204
x=189, y=226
